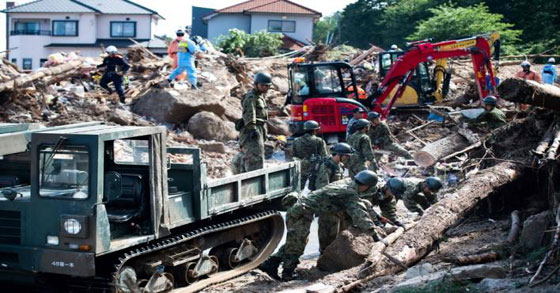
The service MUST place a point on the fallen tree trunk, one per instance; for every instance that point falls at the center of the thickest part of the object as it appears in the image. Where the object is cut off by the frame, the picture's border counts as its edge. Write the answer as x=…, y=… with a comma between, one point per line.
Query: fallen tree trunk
x=436, y=150
x=365, y=54
x=416, y=242
x=26, y=79
x=530, y=92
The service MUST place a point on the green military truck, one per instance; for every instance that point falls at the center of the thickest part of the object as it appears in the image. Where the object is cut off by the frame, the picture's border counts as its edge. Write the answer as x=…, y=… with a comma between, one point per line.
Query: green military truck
x=106, y=208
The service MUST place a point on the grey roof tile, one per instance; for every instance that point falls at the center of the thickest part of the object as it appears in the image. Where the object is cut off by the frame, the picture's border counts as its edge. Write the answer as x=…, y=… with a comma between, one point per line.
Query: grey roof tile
x=50, y=6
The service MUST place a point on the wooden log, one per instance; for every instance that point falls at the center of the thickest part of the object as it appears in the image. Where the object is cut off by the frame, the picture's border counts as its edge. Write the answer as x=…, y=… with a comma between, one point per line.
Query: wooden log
x=364, y=55
x=515, y=227
x=478, y=258
x=530, y=92
x=436, y=150
x=545, y=142
x=28, y=78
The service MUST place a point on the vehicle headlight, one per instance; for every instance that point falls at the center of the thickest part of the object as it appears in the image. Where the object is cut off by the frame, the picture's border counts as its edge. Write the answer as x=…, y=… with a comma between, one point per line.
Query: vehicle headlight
x=72, y=226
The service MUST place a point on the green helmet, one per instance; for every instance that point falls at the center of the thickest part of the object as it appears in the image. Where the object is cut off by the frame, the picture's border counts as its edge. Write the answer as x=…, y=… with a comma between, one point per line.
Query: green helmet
x=311, y=125
x=396, y=185
x=490, y=100
x=366, y=177
x=373, y=115
x=434, y=183
x=361, y=123
x=262, y=78
x=342, y=148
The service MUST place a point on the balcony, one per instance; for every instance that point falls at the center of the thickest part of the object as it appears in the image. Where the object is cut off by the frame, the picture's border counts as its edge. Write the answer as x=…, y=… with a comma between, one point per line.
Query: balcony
x=30, y=32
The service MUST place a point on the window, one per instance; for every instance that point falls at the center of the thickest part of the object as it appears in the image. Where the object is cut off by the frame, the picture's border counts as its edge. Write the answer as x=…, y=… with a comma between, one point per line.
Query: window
x=26, y=28
x=123, y=29
x=131, y=152
x=14, y=60
x=42, y=61
x=282, y=26
x=27, y=64
x=65, y=28
x=327, y=80
x=63, y=171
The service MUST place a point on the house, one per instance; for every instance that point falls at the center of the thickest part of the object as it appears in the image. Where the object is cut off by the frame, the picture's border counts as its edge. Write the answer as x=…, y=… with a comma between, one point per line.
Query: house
x=295, y=21
x=37, y=29
x=199, y=27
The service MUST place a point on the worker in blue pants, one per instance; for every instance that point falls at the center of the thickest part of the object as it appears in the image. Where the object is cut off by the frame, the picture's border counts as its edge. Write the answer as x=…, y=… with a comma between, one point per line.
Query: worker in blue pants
x=185, y=61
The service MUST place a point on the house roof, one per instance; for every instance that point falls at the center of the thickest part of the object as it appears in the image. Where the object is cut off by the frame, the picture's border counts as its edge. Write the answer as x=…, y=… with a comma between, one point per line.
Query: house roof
x=119, y=43
x=266, y=6
x=289, y=43
x=82, y=6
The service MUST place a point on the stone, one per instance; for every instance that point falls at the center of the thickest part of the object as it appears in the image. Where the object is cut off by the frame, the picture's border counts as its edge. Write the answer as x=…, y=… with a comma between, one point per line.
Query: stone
x=480, y=271
x=495, y=285
x=419, y=270
x=281, y=84
x=214, y=147
x=348, y=250
x=277, y=126
x=233, y=108
x=168, y=105
x=533, y=230
x=121, y=117
x=207, y=125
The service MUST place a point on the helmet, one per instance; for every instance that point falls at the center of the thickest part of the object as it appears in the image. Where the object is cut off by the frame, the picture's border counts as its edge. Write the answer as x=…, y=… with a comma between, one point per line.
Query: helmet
x=373, y=115
x=366, y=177
x=311, y=125
x=263, y=78
x=396, y=185
x=342, y=148
x=490, y=100
x=358, y=110
x=197, y=39
x=434, y=183
x=111, y=50
x=551, y=60
x=180, y=33
x=361, y=123
x=525, y=64
x=394, y=47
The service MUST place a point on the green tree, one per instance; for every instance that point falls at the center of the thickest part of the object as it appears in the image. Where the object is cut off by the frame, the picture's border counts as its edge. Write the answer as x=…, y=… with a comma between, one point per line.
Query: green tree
x=259, y=44
x=360, y=24
x=325, y=28
x=449, y=21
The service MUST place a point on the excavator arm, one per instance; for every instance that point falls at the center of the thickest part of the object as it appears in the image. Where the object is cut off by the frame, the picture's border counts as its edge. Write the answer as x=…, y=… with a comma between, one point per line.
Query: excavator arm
x=402, y=71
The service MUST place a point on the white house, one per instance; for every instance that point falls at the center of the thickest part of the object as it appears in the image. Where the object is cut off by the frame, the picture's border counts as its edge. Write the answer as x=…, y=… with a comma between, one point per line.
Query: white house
x=280, y=16
x=37, y=29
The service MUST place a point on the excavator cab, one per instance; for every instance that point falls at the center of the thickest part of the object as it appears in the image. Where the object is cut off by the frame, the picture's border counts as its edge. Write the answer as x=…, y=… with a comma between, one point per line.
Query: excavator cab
x=325, y=92
x=421, y=87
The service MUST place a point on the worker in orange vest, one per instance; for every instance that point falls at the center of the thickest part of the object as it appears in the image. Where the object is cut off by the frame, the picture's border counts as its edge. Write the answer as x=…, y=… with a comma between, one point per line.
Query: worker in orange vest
x=174, y=47
x=528, y=74
x=361, y=93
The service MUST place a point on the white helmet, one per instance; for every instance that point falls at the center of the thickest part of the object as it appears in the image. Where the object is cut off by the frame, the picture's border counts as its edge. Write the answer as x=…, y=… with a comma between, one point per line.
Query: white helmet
x=111, y=50
x=525, y=63
x=551, y=60
x=394, y=47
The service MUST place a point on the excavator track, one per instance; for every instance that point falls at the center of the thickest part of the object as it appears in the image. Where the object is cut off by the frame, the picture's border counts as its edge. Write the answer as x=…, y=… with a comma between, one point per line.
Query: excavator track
x=160, y=246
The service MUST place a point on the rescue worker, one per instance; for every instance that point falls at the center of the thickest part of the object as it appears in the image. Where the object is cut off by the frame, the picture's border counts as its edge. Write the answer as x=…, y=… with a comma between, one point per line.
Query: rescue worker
x=382, y=138
x=115, y=69
x=340, y=196
x=362, y=144
x=199, y=41
x=331, y=170
x=385, y=199
x=185, y=60
x=492, y=116
x=253, y=129
x=356, y=115
x=549, y=71
x=420, y=194
x=394, y=48
x=309, y=149
x=173, y=47
x=527, y=73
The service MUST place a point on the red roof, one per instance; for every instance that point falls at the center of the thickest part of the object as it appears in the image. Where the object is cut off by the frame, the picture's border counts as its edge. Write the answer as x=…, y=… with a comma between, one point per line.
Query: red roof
x=291, y=44
x=268, y=6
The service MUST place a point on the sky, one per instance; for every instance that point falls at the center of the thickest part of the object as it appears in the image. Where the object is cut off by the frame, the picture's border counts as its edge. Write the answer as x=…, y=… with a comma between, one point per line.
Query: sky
x=177, y=13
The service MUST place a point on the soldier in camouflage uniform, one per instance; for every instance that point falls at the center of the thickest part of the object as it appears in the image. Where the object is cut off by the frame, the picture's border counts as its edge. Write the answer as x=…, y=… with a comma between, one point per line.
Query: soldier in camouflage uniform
x=308, y=147
x=330, y=171
x=362, y=144
x=381, y=136
x=254, y=130
x=340, y=196
x=385, y=198
x=492, y=116
x=420, y=194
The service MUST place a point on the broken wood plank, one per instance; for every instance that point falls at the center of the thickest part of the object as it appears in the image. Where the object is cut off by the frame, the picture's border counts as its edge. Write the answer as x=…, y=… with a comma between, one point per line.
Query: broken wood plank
x=433, y=152
x=418, y=138
x=515, y=227
x=474, y=146
x=530, y=92
x=364, y=55
x=24, y=80
x=421, y=126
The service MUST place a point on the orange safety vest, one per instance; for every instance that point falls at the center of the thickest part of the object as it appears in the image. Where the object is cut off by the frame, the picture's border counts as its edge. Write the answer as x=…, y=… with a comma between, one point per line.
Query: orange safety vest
x=361, y=93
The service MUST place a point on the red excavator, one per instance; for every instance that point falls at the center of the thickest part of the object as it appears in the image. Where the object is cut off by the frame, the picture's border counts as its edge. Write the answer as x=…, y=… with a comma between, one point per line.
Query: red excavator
x=323, y=91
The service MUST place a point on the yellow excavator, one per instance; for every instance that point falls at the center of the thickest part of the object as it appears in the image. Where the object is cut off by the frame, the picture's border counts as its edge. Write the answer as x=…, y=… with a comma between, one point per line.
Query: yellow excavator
x=425, y=87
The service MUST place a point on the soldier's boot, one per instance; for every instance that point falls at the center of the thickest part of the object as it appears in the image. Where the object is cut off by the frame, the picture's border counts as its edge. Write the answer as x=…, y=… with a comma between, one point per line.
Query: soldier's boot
x=270, y=266
x=289, y=267
x=288, y=274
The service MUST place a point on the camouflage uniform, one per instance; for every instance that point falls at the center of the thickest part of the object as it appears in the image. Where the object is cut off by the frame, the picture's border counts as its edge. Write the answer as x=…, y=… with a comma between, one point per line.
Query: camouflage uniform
x=414, y=198
x=362, y=144
x=254, y=131
x=237, y=164
x=329, y=224
x=494, y=118
x=340, y=196
x=304, y=148
x=349, y=126
x=381, y=137
x=388, y=206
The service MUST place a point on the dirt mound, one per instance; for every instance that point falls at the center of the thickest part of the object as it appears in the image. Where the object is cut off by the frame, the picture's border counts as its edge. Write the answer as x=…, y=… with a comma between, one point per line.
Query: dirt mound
x=348, y=250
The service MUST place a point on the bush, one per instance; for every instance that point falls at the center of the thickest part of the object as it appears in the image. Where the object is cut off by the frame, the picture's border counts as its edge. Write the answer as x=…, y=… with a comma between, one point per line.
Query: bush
x=259, y=44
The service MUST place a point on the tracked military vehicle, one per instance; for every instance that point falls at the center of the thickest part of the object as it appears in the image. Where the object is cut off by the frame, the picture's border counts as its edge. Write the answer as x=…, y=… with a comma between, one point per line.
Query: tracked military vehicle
x=109, y=208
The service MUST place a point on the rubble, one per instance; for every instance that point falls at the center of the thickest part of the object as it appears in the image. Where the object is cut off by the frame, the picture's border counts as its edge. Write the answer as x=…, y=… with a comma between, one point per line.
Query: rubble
x=207, y=125
x=534, y=229
x=353, y=246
